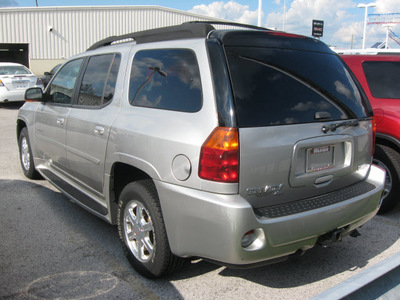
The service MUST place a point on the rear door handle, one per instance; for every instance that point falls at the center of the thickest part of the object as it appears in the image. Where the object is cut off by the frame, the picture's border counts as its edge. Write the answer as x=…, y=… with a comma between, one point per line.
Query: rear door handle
x=60, y=121
x=99, y=130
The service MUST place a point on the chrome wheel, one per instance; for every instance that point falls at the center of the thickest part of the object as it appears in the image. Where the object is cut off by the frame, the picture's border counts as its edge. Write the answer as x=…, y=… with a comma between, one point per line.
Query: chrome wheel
x=389, y=180
x=25, y=154
x=139, y=231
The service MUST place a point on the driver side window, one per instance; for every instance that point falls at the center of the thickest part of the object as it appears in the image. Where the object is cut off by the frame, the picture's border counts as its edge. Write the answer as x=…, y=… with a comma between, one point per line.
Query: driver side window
x=62, y=86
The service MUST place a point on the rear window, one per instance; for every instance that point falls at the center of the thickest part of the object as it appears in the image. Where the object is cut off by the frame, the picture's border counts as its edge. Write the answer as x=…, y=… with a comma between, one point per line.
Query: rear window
x=277, y=87
x=13, y=70
x=383, y=78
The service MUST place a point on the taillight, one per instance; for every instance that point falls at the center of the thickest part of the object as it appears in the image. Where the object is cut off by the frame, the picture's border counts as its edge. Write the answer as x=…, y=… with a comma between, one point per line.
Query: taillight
x=373, y=124
x=39, y=81
x=219, y=156
x=285, y=34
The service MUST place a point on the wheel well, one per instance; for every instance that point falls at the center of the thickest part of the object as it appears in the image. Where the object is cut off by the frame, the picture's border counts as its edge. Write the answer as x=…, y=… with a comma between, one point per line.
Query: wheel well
x=388, y=143
x=121, y=175
x=20, y=125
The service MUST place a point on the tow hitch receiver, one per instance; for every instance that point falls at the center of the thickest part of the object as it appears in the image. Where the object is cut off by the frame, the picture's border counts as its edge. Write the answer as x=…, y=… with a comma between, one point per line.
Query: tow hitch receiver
x=331, y=237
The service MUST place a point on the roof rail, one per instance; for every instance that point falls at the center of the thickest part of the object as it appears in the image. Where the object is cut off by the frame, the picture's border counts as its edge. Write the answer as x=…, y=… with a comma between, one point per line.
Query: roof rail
x=228, y=24
x=183, y=31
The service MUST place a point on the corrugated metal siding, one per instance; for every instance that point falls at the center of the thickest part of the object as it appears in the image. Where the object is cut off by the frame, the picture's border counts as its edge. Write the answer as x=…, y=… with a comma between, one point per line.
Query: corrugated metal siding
x=76, y=28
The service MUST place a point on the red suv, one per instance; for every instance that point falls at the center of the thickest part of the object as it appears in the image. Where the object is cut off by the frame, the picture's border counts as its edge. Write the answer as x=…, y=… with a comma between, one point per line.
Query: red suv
x=379, y=75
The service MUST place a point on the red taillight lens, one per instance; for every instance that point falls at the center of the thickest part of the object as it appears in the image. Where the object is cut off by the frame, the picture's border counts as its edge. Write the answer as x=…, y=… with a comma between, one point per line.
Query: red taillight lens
x=219, y=156
x=373, y=124
x=39, y=81
x=285, y=34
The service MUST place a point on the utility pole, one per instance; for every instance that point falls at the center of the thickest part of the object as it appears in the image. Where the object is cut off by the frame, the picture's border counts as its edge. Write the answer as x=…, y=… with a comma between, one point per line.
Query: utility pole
x=259, y=12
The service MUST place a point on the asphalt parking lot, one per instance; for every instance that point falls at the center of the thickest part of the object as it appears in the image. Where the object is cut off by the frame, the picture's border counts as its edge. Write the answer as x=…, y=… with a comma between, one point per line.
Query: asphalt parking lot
x=51, y=248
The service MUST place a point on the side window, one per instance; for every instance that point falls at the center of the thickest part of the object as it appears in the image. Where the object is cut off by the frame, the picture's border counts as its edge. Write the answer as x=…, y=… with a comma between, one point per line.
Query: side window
x=62, y=86
x=383, y=78
x=98, y=83
x=166, y=79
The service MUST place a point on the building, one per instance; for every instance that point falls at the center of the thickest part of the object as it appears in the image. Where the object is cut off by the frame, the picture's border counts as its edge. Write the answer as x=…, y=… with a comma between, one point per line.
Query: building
x=42, y=37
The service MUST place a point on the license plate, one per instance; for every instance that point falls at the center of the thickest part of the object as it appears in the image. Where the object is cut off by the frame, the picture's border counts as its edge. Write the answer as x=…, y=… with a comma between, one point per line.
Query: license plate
x=20, y=84
x=320, y=158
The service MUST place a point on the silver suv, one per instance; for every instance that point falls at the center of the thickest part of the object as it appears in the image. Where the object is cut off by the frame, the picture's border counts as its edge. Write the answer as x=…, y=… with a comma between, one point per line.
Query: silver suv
x=238, y=146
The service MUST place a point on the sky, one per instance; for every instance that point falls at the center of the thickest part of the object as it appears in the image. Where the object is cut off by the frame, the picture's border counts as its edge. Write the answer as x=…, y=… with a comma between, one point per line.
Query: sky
x=343, y=20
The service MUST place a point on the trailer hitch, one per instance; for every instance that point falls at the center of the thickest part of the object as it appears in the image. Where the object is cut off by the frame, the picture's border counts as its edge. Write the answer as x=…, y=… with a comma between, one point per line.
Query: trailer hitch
x=331, y=237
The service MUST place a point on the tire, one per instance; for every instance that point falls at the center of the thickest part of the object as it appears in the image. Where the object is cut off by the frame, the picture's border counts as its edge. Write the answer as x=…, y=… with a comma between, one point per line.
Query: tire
x=25, y=155
x=142, y=231
x=389, y=159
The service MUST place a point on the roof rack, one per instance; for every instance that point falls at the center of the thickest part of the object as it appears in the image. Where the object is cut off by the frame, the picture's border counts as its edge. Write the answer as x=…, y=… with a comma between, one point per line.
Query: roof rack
x=183, y=31
x=193, y=29
x=241, y=25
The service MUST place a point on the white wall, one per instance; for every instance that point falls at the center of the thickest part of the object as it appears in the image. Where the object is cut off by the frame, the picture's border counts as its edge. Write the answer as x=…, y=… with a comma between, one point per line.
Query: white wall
x=74, y=29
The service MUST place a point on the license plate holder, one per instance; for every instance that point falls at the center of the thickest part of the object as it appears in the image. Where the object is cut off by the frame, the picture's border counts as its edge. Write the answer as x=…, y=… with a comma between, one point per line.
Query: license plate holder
x=320, y=158
x=20, y=84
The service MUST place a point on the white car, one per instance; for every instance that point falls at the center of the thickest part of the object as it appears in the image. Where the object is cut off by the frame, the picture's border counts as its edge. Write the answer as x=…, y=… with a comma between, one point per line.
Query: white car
x=14, y=80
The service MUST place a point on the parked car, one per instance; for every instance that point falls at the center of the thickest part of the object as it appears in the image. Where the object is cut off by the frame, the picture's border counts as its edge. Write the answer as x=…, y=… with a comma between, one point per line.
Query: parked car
x=379, y=76
x=238, y=146
x=14, y=80
x=48, y=75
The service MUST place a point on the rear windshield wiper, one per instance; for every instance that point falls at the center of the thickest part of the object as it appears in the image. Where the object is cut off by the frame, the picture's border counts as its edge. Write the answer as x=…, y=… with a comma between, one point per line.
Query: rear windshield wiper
x=335, y=126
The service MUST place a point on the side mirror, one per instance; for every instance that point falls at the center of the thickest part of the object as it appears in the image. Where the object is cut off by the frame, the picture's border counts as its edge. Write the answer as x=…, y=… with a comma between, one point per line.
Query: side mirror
x=34, y=94
x=47, y=73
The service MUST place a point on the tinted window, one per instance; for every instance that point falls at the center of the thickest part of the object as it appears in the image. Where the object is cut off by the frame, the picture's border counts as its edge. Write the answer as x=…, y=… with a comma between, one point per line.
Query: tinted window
x=98, y=83
x=276, y=86
x=112, y=79
x=383, y=78
x=166, y=79
x=62, y=86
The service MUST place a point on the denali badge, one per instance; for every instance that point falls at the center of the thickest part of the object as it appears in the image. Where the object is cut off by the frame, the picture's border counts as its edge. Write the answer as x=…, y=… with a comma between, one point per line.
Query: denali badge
x=265, y=190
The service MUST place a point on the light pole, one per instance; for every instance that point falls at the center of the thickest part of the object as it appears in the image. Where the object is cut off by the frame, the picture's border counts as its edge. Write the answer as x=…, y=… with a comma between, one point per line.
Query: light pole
x=284, y=14
x=361, y=5
x=259, y=12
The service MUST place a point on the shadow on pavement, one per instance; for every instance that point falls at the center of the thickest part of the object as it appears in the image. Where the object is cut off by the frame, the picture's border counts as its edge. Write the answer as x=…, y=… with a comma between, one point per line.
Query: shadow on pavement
x=12, y=105
x=45, y=234
x=52, y=248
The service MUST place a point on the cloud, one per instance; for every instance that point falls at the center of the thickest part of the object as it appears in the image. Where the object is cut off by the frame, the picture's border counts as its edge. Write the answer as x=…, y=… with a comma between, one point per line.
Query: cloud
x=343, y=21
x=387, y=6
x=343, y=24
x=300, y=13
x=8, y=3
x=351, y=31
x=230, y=11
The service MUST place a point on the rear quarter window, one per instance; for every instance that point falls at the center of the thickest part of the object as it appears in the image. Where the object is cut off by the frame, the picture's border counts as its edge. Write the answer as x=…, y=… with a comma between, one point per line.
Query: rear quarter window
x=166, y=79
x=383, y=78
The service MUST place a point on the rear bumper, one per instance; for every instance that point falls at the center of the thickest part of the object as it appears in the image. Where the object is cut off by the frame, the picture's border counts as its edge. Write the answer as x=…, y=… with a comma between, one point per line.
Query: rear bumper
x=212, y=226
x=13, y=95
x=10, y=96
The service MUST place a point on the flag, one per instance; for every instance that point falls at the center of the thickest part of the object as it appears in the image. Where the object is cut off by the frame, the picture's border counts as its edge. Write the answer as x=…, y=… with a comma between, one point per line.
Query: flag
x=394, y=36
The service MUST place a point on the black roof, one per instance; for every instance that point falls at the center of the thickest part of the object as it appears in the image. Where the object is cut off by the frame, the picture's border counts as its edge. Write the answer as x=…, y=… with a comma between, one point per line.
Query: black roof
x=195, y=29
x=257, y=37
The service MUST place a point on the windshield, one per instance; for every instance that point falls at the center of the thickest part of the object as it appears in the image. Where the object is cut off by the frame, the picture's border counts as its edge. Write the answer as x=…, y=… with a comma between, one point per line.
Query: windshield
x=284, y=86
x=13, y=70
